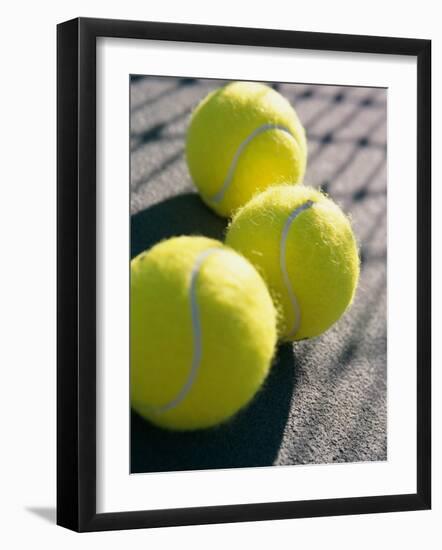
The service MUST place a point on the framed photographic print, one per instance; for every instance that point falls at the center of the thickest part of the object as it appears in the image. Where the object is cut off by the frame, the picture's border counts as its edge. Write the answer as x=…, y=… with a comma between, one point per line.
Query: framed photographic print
x=243, y=274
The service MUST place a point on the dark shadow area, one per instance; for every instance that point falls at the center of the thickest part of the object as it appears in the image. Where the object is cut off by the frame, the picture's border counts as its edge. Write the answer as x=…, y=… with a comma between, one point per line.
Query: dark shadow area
x=181, y=215
x=46, y=513
x=252, y=438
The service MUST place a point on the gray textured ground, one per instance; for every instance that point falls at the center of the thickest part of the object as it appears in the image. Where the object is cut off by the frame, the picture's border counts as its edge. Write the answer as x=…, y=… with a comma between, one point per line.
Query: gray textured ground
x=325, y=399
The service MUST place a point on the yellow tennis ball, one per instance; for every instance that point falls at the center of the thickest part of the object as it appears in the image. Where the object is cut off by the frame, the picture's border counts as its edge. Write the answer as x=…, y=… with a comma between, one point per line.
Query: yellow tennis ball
x=203, y=332
x=242, y=138
x=304, y=247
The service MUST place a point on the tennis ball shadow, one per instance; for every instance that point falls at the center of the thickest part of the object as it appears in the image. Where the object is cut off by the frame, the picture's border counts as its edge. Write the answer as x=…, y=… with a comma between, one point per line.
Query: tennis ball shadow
x=251, y=438
x=184, y=214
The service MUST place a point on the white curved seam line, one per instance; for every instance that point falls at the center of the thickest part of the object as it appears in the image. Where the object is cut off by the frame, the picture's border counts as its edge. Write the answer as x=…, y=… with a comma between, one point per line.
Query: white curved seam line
x=283, y=265
x=219, y=195
x=196, y=334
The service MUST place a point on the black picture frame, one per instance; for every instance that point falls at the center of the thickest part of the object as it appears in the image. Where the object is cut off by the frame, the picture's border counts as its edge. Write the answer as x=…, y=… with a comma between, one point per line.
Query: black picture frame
x=76, y=274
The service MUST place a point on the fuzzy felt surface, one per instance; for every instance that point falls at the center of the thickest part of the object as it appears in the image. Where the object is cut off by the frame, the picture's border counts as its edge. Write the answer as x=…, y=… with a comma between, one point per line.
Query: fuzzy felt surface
x=222, y=122
x=321, y=263
x=325, y=399
x=228, y=311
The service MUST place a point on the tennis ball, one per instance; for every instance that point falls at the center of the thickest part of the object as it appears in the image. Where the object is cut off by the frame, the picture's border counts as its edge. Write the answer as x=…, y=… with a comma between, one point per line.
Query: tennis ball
x=203, y=332
x=304, y=247
x=242, y=138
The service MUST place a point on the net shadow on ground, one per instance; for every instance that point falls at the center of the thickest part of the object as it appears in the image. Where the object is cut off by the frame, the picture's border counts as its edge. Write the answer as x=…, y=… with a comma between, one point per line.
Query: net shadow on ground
x=252, y=438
